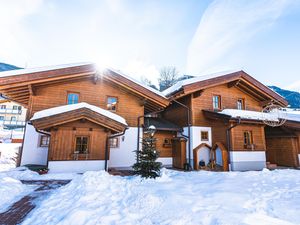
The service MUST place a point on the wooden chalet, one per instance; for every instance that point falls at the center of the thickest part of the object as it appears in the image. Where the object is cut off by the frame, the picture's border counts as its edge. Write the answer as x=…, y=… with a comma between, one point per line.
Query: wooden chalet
x=80, y=118
x=77, y=140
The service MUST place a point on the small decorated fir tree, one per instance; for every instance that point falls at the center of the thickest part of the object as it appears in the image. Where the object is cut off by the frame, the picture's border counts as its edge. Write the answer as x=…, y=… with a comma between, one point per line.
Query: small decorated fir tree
x=146, y=165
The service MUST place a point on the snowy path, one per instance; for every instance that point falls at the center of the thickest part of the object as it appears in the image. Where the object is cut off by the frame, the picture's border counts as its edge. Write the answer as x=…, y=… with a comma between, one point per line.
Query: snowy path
x=19, y=210
x=267, y=197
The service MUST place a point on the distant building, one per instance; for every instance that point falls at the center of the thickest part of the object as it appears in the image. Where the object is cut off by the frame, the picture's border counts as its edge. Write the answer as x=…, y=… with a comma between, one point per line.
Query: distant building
x=12, y=121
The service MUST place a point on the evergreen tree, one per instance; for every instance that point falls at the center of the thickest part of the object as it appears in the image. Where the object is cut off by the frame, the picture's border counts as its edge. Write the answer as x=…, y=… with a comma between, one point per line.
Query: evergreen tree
x=146, y=166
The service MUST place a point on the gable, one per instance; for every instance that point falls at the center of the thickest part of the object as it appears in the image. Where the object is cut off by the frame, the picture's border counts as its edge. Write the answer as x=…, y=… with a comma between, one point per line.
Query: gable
x=20, y=85
x=238, y=79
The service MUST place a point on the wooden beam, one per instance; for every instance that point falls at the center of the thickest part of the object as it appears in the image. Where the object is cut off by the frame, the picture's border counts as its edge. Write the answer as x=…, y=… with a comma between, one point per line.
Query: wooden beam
x=31, y=90
x=233, y=83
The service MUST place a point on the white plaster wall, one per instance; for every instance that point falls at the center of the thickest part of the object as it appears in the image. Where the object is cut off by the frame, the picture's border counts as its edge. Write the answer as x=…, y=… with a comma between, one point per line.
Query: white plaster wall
x=166, y=161
x=32, y=153
x=203, y=154
x=124, y=156
x=247, y=156
x=196, y=138
x=76, y=166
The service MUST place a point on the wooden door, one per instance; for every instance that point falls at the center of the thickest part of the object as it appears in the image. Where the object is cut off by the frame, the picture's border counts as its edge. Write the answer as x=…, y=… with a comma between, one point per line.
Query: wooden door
x=179, y=152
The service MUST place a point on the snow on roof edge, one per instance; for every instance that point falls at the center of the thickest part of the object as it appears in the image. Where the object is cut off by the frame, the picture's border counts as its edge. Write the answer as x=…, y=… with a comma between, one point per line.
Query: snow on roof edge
x=137, y=82
x=178, y=85
x=41, y=69
x=67, y=108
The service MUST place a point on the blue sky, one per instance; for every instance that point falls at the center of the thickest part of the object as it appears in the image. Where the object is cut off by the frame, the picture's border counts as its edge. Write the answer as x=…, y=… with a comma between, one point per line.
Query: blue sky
x=261, y=37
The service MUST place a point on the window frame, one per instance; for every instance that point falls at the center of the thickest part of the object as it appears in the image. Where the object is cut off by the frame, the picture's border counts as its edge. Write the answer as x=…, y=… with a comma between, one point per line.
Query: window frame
x=243, y=105
x=11, y=118
x=3, y=107
x=3, y=118
x=117, y=143
x=250, y=138
x=15, y=107
x=72, y=92
x=41, y=140
x=88, y=144
x=219, y=102
x=207, y=133
x=117, y=102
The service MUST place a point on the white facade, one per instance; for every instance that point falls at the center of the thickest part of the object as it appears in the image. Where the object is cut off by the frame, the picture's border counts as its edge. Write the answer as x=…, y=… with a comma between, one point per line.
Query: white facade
x=124, y=156
x=247, y=160
x=195, y=136
x=75, y=166
x=32, y=153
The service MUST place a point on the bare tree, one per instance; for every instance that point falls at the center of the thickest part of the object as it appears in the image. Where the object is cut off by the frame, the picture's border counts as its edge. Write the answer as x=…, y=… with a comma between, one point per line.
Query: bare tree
x=168, y=77
x=148, y=82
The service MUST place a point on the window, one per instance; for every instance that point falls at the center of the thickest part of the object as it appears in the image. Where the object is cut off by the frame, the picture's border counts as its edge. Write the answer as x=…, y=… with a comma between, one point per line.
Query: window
x=3, y=106
x=13, y=118
x=167, y=143
x=15, y=107
x=240, y=104
x=216, y=102
x=114, y=142
x=248, y=139
x=204, y=135
x=73, y=98
x=1, y=118
x=112, y=103
x=44, y=141
x=82, y=144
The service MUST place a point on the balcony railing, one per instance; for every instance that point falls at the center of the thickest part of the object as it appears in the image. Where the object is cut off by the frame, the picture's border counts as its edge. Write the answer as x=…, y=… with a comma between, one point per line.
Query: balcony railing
x=11, y=111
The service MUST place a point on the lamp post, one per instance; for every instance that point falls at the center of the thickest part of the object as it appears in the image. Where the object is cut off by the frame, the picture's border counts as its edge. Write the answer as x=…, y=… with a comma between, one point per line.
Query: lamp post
x=151, y=130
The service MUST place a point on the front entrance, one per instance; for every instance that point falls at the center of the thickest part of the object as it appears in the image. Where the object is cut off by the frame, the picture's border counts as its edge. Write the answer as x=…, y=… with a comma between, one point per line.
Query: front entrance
x=179, y=152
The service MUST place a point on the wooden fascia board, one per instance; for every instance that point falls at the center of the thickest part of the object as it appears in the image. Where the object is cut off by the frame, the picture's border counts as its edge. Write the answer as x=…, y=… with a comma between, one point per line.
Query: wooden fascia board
x=262, y=87
x=59, y=119
x=40, y=80
x=136, y=88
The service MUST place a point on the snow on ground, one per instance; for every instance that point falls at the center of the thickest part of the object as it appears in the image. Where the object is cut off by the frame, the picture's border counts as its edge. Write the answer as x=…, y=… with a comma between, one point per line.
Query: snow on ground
x=266, y=197
x=8, y=155
x=12, y=190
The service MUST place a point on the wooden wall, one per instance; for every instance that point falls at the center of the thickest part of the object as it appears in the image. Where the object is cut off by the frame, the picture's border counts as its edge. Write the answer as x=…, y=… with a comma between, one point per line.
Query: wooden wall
x=62, y=142
x=129, y=106
x=258, y=133
x=229, y=97
x=164, y=151
x=176, y=113
x=283, y=151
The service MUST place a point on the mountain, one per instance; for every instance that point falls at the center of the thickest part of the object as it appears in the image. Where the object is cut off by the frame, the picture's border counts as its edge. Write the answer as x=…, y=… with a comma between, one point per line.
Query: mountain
x=293, y=97
x=5, y=67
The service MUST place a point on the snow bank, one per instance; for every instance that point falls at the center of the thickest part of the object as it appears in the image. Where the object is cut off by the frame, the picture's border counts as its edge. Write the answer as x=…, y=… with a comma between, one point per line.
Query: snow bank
x=252, y=115
x=11, y=190
x=293, y=115
x=23, y=173
x=67, y=108
x=176, y=198
x=8, y=155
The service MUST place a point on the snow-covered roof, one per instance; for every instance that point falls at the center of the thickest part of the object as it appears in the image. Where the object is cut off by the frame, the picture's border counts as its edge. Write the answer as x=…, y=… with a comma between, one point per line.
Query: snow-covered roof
x=137, y=82
x=182, y=83
x=293, y=115
x=67, y=108
x=40, y=69
x=250, y=115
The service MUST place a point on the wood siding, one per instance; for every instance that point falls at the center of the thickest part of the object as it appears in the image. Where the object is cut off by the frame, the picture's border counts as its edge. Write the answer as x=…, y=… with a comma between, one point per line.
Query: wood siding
x=62, y=141
x=177, y=113
x=283, y=151
x=164, y=151
x=229, y=97
x=258, y=133
x=129, y=105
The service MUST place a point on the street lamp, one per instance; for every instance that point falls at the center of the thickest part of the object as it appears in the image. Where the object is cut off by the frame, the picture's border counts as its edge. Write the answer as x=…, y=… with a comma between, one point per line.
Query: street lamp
x=151, y=130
